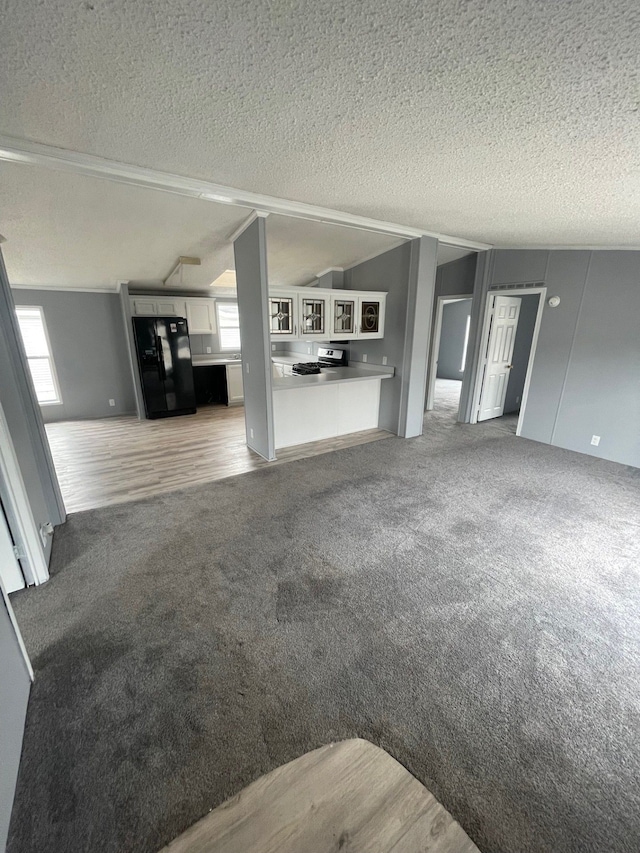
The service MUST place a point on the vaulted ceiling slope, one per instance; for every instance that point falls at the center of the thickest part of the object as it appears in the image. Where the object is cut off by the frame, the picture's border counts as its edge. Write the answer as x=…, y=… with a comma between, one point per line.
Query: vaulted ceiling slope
x=66, y=230
x=506, y=121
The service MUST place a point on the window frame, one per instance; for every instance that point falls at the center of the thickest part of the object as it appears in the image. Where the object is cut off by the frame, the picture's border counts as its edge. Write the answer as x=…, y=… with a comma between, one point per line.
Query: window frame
x=465, y=347
x=49, y=356
x=219, y=304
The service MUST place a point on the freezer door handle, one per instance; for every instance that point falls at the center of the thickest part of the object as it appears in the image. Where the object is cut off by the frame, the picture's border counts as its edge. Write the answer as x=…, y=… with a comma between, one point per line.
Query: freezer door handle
x=163, y=372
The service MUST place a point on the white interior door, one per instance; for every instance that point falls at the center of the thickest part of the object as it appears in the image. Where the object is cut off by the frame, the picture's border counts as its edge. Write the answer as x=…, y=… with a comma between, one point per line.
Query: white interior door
x=10, y=571
x=502, y=337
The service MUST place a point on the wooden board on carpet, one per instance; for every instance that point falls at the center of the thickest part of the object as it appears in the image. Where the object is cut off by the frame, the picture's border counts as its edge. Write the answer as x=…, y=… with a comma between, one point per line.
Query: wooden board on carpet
x=349, y=796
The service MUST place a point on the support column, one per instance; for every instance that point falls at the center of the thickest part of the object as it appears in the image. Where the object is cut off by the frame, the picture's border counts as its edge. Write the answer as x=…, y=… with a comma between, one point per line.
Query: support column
x=478, y=310
x=250, y=250
x=24, y=420
x=422, y=282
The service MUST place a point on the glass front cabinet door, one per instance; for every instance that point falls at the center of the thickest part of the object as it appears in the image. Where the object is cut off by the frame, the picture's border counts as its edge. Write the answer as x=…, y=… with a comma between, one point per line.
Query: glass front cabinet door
x=281, y=315
x=343, y=317
x=313, y=313
x=371, y=316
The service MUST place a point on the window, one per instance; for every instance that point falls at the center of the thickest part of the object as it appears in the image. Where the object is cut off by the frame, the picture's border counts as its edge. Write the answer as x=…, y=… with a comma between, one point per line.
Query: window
x=36, y=344
x=228, y=325
x=466, y=345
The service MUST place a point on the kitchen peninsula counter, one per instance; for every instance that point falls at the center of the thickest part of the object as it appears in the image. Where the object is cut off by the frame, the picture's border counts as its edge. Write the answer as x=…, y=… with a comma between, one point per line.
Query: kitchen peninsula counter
x=330, y=375
x=337, y=401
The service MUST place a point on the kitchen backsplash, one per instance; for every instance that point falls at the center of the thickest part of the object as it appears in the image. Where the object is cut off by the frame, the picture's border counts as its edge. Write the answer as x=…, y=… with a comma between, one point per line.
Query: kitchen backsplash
x=309, y=349
x=199, y=344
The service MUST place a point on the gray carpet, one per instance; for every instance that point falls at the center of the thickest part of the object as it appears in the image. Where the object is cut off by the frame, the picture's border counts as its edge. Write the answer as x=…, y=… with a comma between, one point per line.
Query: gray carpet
x=467, y=600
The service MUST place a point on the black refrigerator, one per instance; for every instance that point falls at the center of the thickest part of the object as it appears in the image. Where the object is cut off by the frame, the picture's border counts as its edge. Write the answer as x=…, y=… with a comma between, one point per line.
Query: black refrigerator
x=164, y=361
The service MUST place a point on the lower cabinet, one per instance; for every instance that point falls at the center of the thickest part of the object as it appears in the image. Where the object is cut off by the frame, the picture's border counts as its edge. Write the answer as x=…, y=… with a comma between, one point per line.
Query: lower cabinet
x=306, y=413
x=235, y=388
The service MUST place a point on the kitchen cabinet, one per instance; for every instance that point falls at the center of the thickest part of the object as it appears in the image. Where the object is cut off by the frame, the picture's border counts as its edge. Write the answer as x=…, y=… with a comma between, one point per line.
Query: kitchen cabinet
x=281, y=316
x=200, y=313
x=343, y=317
x=170, y=307
x=313, y=315
x=144, y=307
x=302, y=314
x=201, y=316
x=371, y=311
x=235, y=386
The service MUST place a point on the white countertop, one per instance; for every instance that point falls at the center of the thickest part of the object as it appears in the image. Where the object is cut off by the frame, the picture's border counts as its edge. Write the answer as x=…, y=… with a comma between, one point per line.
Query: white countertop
x=292, y=359
x=329, y=375
x=207, y=360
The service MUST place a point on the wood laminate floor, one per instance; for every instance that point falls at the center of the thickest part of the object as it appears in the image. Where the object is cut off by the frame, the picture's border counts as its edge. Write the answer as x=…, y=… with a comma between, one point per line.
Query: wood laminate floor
x=349, y=796
x=120, y=459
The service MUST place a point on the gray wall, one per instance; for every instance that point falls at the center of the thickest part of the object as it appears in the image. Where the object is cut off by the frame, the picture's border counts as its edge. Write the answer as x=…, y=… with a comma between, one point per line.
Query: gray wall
x=89, y=350
x=521, y=352
x=331, y=279
x=250, y=250
x=407, y=274
x=456, y=277
x=452, y=335
x=388, y=272
x=586, y=374
x=14, y=695
x=24, y=420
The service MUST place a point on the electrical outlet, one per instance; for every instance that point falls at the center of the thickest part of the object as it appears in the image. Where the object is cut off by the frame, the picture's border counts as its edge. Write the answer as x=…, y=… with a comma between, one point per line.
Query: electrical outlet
x=273, y=347
x=208, y=350
x=517, y=399
x=595, y=440
x=112, y=402
x=251, y=432
x=308, y=350
x=384, y=359
x=247, y=363
x=364, y=357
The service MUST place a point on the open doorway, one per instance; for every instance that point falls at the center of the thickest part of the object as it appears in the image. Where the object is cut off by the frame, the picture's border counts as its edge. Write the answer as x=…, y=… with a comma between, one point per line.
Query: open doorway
x=509, y=340
x=449, y=353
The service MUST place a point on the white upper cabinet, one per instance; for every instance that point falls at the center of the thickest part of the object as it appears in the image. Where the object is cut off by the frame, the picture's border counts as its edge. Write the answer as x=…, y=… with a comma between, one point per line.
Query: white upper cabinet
x=371, y=310
x=313, y=315
x=200, y=313
x=343, y=314
x=282, y=315
x=169, y=307
x=144, y=307
x=201, y=316
x=330, y=315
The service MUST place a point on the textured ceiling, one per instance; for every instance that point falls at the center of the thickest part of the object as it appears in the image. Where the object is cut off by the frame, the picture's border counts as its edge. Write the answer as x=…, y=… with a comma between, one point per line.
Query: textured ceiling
x=66, y=230
x=508, y=121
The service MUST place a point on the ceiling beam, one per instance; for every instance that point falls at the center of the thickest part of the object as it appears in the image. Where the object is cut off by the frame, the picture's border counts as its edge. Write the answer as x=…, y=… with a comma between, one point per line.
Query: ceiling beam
x=36, y=154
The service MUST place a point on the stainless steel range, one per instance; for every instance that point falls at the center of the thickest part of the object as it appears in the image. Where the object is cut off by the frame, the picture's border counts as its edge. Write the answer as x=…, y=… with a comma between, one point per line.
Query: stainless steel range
x=327, y=357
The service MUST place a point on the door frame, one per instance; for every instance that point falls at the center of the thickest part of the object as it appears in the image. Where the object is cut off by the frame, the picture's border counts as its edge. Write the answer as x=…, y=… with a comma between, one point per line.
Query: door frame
x=486, y=328
x=16, y=501
x=4, y=598
x=441, y=301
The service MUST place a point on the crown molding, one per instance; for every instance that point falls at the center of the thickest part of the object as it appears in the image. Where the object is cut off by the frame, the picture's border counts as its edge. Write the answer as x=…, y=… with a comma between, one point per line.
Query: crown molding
x=67, y=288
x=591, y=247
x=329, y=269
x=36, y=154
x=255, y=214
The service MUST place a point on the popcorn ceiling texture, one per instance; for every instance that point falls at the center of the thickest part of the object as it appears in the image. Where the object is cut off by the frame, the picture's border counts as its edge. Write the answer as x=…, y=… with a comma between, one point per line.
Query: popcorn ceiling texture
x=69, y=230
x=507, y=121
